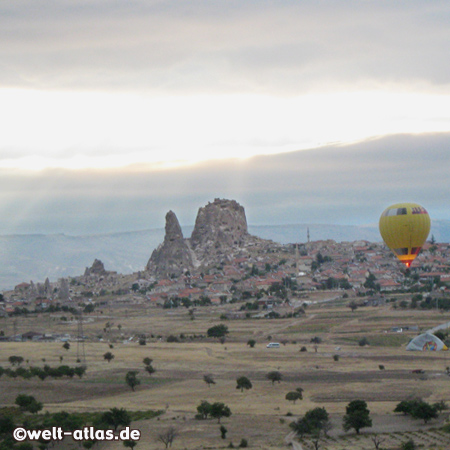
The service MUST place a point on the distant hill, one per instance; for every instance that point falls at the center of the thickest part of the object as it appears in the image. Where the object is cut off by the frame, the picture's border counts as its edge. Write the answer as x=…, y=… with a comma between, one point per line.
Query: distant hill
x=35, y=257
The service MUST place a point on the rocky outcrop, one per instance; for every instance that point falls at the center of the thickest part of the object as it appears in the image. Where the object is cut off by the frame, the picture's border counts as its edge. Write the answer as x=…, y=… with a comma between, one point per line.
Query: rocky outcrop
x=220, y=230
x=97, y=268
x=220, y=226
x=173, y=256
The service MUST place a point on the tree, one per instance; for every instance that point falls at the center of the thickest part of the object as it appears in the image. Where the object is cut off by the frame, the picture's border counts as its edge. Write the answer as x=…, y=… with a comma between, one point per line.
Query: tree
x=204, y=409
x=218, y=331
x=28, y=403
x=129, y=444
x=223, y=432
x=363, y=342
x=408, y=445
x=108, y=356
x=219, y=410
x=273, y=376
x=208, y=379
x=15, y=360
x=150, y=369
x=315, y=423
x=116, y=417
x=377, y=441
x=147, y=361
x=7, y=425
x=251, y=343
x=425, y=411
x=66, y=346
x=168, y=436
x=353, y=305
x=293, y=396
x=80, y=371
x=405, y=406
x=131, y=379
x=357, y=416
x=243, y=383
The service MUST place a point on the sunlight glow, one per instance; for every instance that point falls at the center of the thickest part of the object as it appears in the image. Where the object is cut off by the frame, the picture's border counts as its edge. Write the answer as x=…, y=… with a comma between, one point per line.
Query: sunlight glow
x=80, y=130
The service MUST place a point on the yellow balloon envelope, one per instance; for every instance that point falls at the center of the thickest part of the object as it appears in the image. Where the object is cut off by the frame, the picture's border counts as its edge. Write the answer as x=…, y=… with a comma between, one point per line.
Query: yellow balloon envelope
x=404, y=228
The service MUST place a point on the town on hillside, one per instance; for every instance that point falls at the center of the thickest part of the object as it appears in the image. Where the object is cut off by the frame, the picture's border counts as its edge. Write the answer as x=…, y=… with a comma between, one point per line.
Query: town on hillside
x=222, y=264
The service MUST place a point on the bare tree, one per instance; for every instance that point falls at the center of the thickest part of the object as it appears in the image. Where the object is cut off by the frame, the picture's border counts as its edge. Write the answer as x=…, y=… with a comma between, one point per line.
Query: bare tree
x=168, y=436
x=377, y=441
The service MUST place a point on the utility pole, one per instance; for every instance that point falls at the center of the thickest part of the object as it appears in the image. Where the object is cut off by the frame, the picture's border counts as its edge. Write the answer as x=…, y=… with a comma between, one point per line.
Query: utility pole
x=81, y=356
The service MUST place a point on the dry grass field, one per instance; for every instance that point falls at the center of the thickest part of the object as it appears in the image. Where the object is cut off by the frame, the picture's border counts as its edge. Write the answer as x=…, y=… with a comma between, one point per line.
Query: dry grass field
x=259, y=414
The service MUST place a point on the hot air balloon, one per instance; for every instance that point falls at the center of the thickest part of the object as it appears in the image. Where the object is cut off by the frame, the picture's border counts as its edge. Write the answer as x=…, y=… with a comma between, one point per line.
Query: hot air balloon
x=404, y=228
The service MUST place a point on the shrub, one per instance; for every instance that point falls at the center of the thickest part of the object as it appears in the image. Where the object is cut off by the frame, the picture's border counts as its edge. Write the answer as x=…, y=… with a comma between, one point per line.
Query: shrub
x=243, y=443
x=363, y=342
x=408, y=445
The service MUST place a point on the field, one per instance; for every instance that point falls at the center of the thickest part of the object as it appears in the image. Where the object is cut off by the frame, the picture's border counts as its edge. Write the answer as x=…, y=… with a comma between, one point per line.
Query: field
x=262, y=414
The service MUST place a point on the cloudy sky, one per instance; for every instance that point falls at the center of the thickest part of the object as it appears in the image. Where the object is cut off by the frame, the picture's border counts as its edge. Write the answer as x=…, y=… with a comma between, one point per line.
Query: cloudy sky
x=113, y=112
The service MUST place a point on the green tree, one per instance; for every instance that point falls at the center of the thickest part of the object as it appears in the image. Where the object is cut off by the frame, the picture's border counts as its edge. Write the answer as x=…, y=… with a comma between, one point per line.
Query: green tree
x=251, y=343
x=218, y=331
x=108, y=356
x=315, y=423
x=408, y=445
x=370, y=283
x=15, y=360
x=204, y=409
x=132, y=379
x=147, y=361
x=129, y=444
x=274, y=375
x=28, y=403
x=405, y=406
x=243, y=383
x=219, y=410
x=425, y=411
x=7, y=424
x=357, y=416
x=66, y=346
x=293, y=396
x=223, y=432
x=80, y=371
x=116, y=417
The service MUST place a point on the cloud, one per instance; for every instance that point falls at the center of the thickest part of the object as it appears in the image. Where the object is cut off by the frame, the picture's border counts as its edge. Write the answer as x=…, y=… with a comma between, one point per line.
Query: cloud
x=199, y=46
x=349, y=184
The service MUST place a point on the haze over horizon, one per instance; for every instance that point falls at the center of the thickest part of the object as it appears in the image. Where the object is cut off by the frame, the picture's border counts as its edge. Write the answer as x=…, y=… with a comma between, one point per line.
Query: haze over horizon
x=325, y=112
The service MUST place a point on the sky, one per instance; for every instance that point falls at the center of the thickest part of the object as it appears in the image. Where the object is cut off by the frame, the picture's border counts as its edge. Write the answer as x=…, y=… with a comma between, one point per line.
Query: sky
x=113, y=112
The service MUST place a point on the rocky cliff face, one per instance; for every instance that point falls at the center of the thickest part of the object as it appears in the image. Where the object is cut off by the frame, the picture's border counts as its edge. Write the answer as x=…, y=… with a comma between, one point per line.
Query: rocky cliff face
x=173, y=256
x=97, y=268
x=220, y=230
x=220, y=226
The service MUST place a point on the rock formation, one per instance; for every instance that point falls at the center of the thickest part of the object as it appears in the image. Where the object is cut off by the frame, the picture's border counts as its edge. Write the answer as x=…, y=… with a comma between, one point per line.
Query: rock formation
x=97, y=268
x=220, y=230
x=173, y=256
x=220, y=226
